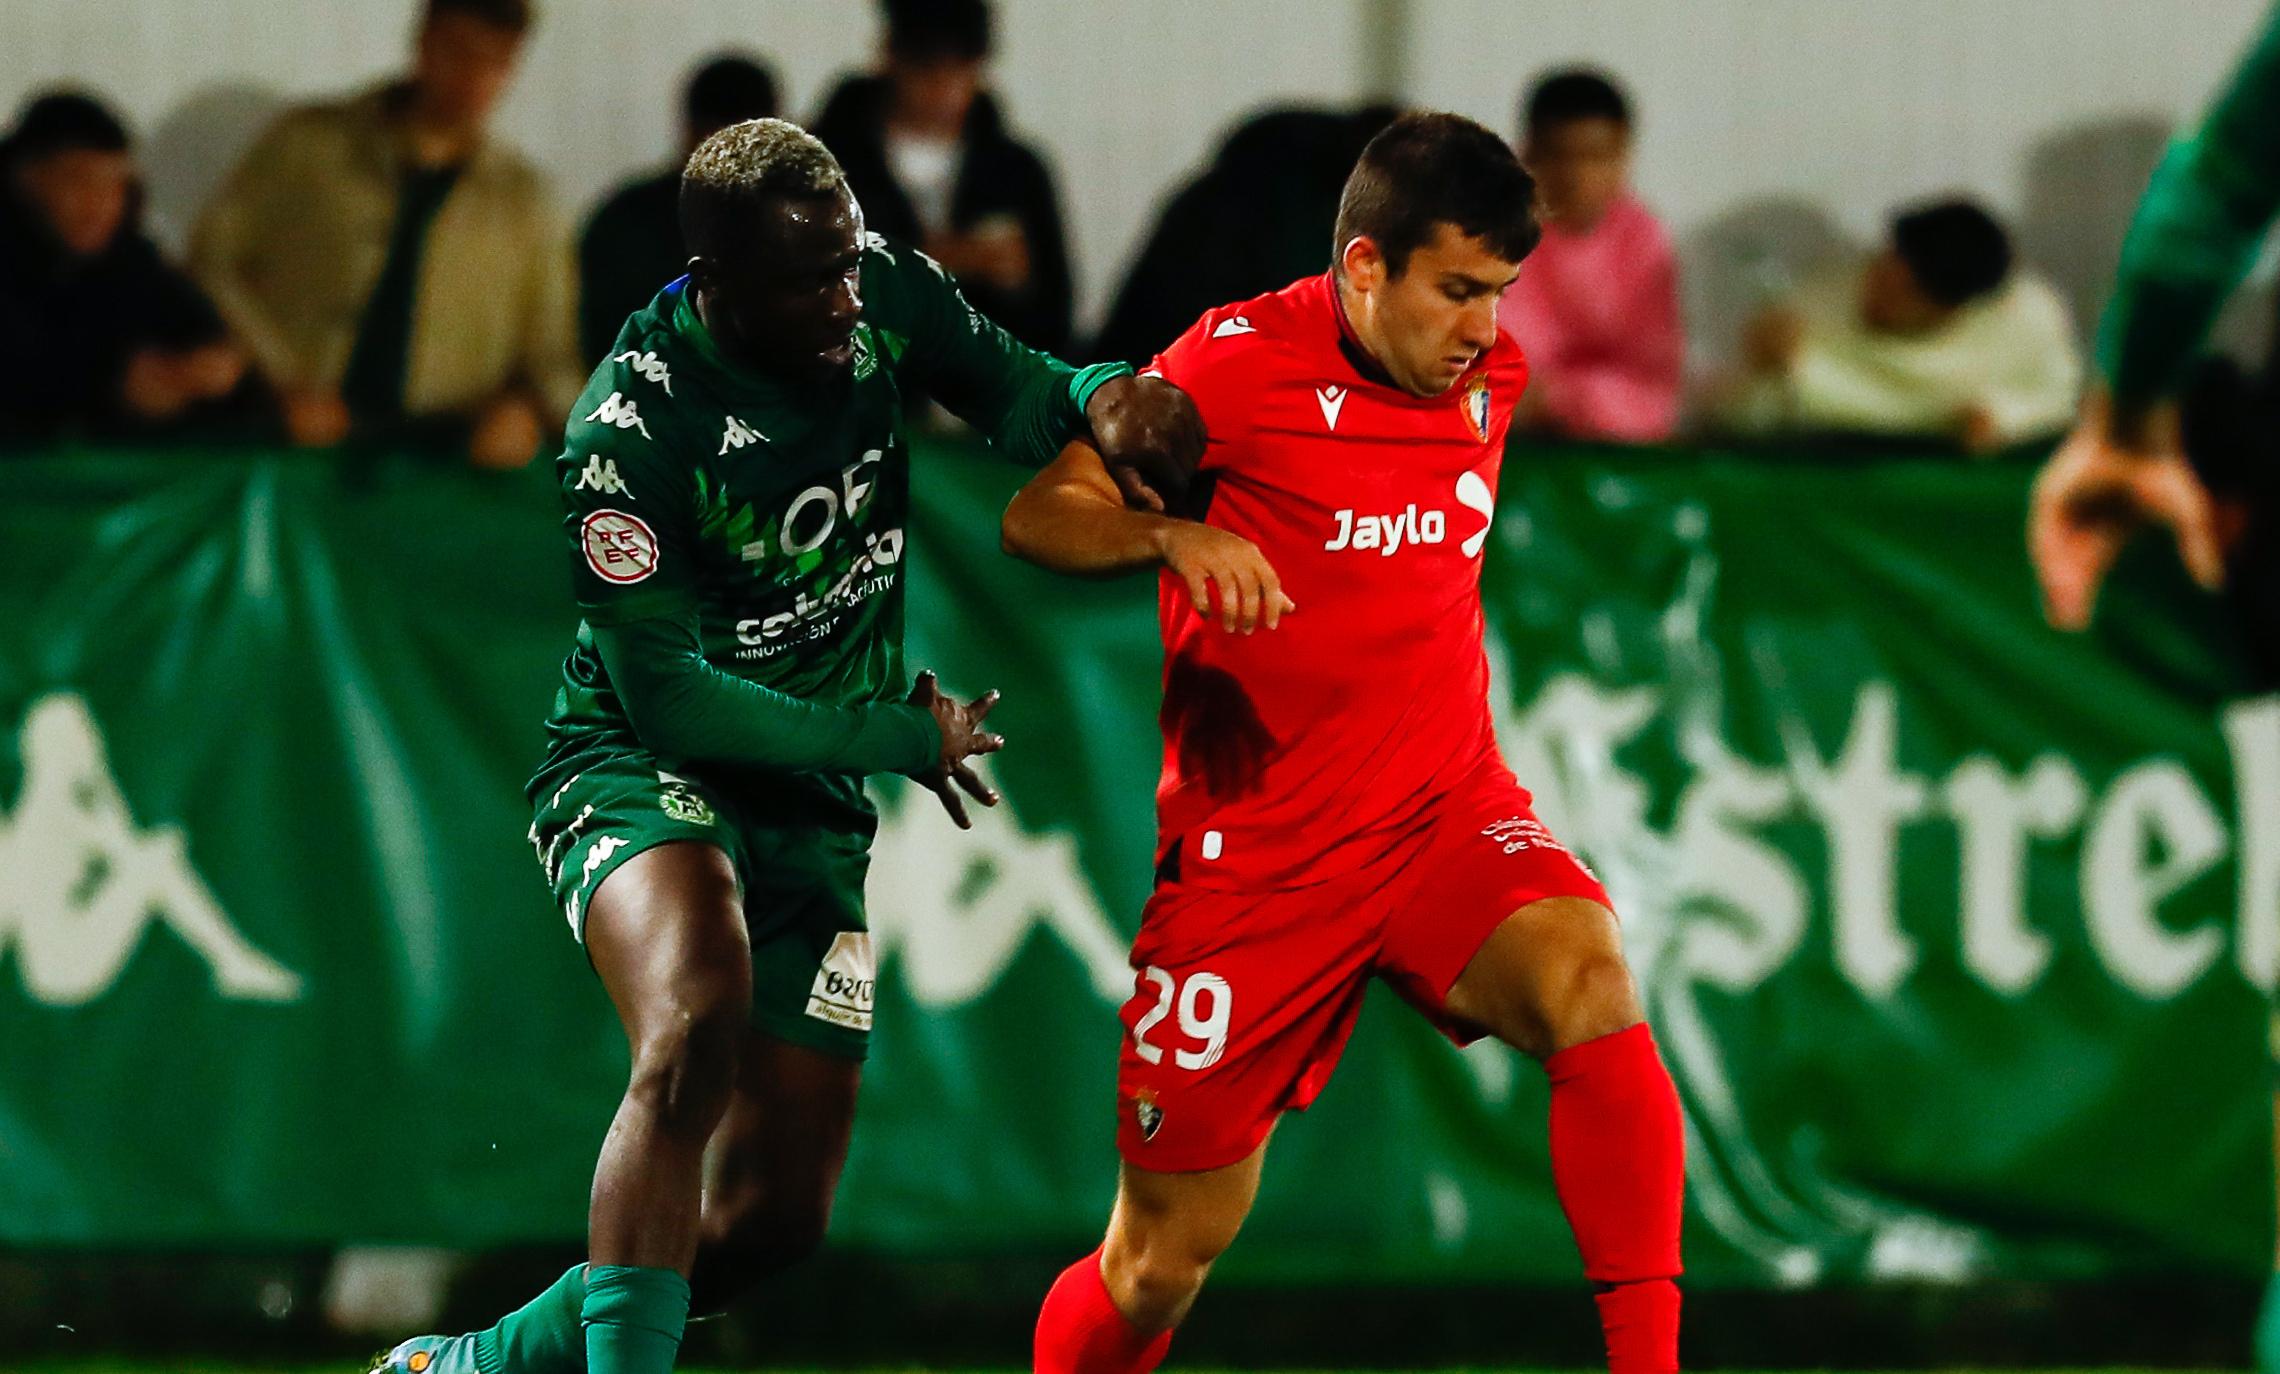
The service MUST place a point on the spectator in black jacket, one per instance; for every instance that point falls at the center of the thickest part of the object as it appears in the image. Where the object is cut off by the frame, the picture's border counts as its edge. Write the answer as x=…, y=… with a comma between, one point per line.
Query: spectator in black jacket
x=1256, y=220
x=927, y=152
x=632, y=245
x=99, y=336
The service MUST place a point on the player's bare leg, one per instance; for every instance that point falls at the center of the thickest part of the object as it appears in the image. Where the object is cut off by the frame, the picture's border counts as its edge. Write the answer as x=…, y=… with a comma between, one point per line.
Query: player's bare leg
x=1551, y=981
x=1113, y=1311
x=666, y=933
x=774, y=1167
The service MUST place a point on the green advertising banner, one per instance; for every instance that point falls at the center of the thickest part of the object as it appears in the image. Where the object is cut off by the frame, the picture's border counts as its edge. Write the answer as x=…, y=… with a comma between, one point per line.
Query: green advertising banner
x=1953, y=929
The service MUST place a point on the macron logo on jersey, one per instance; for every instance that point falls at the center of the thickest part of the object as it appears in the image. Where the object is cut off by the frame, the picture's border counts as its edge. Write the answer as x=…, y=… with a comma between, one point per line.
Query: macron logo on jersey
x=1229, y=328
x=737, y=435
x=649, y=366
x=1332, y=400
x=619, y=411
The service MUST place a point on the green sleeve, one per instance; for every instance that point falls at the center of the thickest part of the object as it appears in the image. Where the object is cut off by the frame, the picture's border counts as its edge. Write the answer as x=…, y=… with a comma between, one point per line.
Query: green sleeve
x=1029, y=404
x=2196, y=233
x=682, y=706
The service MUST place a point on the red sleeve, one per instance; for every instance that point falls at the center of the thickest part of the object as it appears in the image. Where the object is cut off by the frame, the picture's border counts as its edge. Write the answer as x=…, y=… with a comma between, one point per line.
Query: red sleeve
x=1217, y=362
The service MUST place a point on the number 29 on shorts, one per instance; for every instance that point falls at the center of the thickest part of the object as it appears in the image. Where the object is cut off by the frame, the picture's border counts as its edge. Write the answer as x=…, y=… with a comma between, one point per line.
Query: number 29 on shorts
x=1198, y=1021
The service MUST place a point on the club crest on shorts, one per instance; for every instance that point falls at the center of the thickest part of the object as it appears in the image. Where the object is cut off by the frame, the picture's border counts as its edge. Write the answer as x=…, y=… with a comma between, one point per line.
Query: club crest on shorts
x=1476, y=408
x=681, y=802
x=1146, y=1114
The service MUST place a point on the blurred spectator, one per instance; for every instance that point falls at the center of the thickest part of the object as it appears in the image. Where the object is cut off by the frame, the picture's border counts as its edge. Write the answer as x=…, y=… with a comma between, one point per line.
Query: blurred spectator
x=395, y=273
x=98, y=334
x=1937, y=337
x=1257, y=219
x=1596, y=305
x=926, y=149
x=632, y=245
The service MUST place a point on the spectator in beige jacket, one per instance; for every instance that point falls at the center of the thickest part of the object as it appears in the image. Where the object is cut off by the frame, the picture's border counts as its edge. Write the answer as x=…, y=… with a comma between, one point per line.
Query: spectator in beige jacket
x=394, y=272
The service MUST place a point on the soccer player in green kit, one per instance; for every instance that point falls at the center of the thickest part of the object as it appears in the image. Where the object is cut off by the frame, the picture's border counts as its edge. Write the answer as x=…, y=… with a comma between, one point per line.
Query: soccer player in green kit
x=736, y=482
x=2204, y=220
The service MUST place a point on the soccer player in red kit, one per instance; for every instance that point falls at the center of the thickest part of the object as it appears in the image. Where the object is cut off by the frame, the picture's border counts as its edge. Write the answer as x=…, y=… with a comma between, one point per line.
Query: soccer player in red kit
x=1333, y=806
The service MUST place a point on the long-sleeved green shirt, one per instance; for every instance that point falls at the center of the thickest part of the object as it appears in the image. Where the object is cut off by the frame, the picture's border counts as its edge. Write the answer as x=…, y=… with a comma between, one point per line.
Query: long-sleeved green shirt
x=737, y=540
x=2196, y=233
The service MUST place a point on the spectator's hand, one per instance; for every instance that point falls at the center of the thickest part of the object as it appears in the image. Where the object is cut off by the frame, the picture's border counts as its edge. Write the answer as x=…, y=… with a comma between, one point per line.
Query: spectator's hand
x=213, y=371
x=1771, y=342
x=507, y=434
x=1978, y=430
x=998, y=255
x=1150, y=437
x=2096, y=492
x=315, y=419
x=154, y=387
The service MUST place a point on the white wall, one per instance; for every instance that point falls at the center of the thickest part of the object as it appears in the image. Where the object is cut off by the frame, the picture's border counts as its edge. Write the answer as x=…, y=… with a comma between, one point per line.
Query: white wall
x=1783, y=124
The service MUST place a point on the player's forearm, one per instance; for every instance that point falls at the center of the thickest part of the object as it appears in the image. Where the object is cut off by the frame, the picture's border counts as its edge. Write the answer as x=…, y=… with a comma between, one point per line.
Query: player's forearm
x=2195, y=235
x=1073, y=528
x=682, y=706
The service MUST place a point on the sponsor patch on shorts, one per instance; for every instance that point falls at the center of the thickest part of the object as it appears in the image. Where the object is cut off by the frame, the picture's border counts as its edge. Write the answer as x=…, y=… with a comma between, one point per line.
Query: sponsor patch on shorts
x=846, y=982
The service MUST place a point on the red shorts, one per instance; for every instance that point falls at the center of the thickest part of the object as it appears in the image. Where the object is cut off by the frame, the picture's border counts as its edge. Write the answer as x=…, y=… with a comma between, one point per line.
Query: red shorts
x=1243, y=1000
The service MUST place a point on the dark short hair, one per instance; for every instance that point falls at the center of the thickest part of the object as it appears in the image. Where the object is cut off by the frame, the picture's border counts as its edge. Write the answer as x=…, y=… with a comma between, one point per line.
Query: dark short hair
x=62, y=122
x=735, y=172
x=729, y=89
x=931, y=30
x=514, y=16
x=1954, y=249
x=1428, y=169
x=1570, y=94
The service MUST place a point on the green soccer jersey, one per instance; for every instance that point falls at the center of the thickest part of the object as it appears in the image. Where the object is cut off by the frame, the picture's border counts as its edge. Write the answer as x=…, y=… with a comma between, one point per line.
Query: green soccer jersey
x=772, y=512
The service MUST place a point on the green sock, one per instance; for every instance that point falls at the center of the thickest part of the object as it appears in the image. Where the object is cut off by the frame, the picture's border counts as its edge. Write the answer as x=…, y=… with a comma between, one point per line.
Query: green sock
x=543, y=1336
x=2268, y=1330
x=634, y=1319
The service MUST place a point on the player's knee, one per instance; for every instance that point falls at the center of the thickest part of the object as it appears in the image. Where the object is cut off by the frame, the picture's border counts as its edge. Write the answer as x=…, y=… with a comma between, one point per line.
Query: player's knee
x=1154, y=1284
x=685, y=1065
x=1594, y=996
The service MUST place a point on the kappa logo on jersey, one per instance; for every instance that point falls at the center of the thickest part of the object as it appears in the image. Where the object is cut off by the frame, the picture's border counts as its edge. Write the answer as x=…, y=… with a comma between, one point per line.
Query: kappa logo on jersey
x=601, y=475
x=620, y=548
x=1391, y=532
x=1229, y=328
x=619, y=411
x=1333, y=400
x=1476, y=408
x=737, y=435
x=877, y=243
x=649, y=366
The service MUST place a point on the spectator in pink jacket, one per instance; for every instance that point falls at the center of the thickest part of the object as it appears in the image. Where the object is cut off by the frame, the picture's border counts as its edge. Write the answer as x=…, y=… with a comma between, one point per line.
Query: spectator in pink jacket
x=1596, y=305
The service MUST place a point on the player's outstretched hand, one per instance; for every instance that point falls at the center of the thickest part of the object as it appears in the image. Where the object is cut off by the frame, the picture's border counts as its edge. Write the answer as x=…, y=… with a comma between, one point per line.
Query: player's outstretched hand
x=2095, y=493
x=1150, y=437
x=963, y=739
x=1206, y=557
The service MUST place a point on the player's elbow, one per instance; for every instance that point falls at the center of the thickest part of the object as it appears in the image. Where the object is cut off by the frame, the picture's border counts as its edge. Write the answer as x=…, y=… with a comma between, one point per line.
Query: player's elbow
x=1022, y=529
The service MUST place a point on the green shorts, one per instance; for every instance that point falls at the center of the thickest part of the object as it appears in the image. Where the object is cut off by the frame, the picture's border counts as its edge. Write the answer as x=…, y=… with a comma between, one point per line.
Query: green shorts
x=813, y=968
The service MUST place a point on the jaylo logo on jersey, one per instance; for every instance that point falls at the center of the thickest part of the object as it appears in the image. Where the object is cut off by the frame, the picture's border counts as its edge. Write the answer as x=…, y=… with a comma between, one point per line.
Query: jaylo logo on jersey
x=619, y=411
x=649, y=366
x=1391, y=532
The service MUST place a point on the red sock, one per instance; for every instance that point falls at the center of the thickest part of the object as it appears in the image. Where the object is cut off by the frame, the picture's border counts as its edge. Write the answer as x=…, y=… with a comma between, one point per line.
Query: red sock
x=1081, y=1332
x=1619, y=1164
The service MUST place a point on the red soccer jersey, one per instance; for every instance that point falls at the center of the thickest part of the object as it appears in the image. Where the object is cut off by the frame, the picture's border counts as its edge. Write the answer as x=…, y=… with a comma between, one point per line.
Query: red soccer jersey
x=1300, y=753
